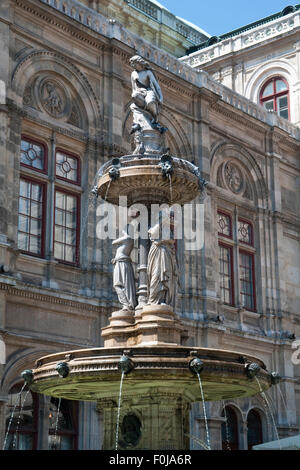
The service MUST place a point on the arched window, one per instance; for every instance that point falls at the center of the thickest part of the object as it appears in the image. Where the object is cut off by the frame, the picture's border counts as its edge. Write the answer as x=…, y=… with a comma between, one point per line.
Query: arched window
x=236, y=258
x=274, y=96
x=254, y=429
x=230, y=437
x=33, y=206
x=21, y=419
x=62, y=424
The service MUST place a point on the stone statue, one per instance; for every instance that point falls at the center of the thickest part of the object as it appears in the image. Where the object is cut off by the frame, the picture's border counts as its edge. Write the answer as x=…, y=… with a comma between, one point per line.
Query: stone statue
x=123, y=278
x=149, y=135
x=162, y=269
x=146, y=93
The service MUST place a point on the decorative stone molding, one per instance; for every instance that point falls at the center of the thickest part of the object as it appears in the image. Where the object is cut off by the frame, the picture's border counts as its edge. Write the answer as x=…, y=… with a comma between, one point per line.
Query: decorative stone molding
x=44, y=62
x=254, y=187
x=25, y=292
x=271, y=67
x=79, y=134
x=49, y=94
x=244, y=40
x=27, y=97
x=114, y=30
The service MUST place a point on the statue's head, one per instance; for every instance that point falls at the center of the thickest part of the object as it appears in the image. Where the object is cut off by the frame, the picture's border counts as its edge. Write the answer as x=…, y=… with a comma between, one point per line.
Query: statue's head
x=137, y=60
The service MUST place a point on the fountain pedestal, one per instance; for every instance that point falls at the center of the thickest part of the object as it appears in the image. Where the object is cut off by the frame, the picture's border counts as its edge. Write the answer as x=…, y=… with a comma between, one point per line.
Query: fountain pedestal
x=155, y=325
x=149, y=419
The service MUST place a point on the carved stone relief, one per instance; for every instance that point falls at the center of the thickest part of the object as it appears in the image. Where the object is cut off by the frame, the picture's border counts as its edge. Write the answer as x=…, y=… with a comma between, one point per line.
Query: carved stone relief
x=231, y=176
x=53, y=97
x=75, y=118
x=27, y=97
x=50, y=95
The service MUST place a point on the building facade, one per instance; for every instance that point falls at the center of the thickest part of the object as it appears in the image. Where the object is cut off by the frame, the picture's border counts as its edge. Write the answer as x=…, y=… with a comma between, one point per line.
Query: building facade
x=65, y=94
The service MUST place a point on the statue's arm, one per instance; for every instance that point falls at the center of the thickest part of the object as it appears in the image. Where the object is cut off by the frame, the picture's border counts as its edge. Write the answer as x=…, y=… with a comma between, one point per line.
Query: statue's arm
x=120, y=240
x=133, y=82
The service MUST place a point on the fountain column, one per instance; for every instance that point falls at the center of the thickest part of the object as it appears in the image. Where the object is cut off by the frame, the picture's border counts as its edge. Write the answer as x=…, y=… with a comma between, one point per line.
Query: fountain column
x=142, y=291
x=159, y=421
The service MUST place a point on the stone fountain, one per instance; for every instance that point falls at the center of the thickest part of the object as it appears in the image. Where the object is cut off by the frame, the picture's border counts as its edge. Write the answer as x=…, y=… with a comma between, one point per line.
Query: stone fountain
x=145, y=340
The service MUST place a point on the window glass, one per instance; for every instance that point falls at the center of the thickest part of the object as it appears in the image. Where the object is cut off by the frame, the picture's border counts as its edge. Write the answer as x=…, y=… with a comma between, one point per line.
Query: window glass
x=274, y=97
x=269, y=105
x=62, y=424
x=280, y=85
x=224, y=224
x=66, y=230
x=282, y=106
x=225, y=272
x=230, y=430
x=30, y=221
x=67, y=167
x=33, y=155
x=269, y=90
x=246, y=280
x=254, y=426
x=245, y=232
x=20, y=419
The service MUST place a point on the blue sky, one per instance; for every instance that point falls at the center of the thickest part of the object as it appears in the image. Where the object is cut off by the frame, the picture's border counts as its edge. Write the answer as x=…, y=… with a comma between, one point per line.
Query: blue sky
x=221, y=16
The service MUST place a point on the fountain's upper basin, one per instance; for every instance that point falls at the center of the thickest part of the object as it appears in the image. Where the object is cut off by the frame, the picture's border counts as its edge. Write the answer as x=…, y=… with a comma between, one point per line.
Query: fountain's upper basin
x=141, y=179
x=94, y=373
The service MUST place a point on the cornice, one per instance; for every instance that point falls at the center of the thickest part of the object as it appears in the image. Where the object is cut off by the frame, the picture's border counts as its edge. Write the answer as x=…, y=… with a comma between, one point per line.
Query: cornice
x=246, y=120
x=163, y=78
x=239, y=43
x=26, y=292
x=287, y=219
x=52, y=17
x=99, y=30
x=81, y=136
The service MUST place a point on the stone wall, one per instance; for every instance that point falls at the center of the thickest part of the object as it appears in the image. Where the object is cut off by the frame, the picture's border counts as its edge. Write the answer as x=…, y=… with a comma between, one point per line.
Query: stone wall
x=269, y=49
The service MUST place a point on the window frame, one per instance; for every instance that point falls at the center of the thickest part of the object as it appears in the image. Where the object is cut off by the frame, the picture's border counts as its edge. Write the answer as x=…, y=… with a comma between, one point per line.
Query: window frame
x=69, y=192
x=253, y=284
x=35, y=141
x=232, y=290
x=242, y=219
x=227, y=214
x=254, y=412
x=236, y=442
x=275, y=94
x=66, y=152
x=65, y=432
x=236, y=247
x=35, y=411
x=43, y=184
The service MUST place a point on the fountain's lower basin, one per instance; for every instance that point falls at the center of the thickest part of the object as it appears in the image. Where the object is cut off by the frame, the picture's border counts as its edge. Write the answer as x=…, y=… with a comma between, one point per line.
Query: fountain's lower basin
x=93, y=374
